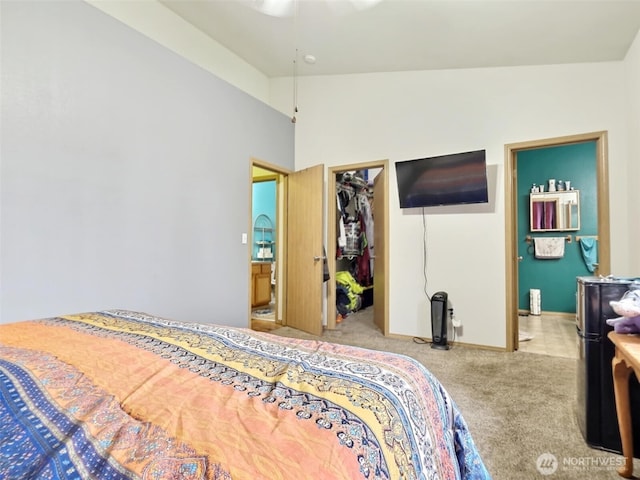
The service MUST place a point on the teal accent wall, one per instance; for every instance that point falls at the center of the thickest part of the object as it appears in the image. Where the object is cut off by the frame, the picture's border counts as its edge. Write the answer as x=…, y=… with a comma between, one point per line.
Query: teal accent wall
x=263, y=203
x=556, y=279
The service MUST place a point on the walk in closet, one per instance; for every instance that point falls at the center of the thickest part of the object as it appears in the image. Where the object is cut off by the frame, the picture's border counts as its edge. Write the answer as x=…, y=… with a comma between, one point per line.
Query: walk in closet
x=354, y=242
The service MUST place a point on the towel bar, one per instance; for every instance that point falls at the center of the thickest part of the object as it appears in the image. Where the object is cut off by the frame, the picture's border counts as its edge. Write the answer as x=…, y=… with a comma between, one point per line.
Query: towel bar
x=529, y=238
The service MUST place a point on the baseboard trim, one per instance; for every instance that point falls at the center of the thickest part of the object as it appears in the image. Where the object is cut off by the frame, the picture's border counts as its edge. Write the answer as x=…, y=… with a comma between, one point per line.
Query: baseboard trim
x=428, y=340
x=527, y=313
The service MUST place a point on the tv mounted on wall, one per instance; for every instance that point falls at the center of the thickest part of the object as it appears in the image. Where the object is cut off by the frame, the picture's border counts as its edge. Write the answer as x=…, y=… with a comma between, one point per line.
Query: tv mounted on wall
x=452, y=179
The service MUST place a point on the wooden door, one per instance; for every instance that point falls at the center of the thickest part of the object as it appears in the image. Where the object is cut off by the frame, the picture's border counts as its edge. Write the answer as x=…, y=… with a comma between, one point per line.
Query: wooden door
x=305, y=224
x=380, y=250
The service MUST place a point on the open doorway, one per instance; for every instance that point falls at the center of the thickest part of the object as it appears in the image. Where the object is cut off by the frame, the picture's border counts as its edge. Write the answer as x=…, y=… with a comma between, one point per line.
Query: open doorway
x=292, y=266
x=266, y=247
x=366, y=183
x=513, y=243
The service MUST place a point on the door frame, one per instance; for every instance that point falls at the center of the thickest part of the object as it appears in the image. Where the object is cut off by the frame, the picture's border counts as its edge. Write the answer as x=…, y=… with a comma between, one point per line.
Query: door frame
x=281, y=175
x=332, y=235
x=511, y=211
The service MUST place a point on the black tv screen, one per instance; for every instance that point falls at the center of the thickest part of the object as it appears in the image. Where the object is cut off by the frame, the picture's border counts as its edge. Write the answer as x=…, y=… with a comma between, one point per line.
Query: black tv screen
x=452, y=179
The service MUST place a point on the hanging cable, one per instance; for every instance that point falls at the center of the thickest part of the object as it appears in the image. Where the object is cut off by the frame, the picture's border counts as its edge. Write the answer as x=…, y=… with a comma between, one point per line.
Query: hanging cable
x=424, y=255
x=295, y=87
x=295, y=61
x=424, y=271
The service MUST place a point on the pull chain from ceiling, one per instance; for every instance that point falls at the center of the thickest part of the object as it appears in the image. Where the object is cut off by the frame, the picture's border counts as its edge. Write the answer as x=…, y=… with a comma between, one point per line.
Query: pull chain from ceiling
x=295, y=61
x=295, y=87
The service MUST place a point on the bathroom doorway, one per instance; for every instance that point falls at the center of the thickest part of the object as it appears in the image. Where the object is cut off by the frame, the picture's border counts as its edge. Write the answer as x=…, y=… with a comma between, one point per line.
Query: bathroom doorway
x=266, y=248
x=514, y=250
x=294, y=263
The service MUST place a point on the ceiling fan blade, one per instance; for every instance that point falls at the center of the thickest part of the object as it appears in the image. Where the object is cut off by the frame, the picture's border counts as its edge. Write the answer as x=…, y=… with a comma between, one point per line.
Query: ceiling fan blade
x=344, y=7
x=274, y=8
x=285, y=8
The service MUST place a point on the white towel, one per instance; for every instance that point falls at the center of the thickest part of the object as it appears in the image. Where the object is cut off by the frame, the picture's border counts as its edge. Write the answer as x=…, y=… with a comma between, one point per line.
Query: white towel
x=548, y=247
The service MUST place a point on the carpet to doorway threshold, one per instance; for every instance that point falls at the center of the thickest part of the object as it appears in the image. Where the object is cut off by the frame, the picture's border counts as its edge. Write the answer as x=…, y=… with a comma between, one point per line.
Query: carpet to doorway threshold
x=524, y=336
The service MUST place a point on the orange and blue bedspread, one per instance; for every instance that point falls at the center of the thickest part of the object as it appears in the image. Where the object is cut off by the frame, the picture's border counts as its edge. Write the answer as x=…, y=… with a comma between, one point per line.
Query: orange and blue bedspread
x=125, y=395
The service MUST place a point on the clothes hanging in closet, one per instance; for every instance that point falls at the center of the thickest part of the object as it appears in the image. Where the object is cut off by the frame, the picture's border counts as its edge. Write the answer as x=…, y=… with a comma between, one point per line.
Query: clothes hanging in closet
x=355, y=238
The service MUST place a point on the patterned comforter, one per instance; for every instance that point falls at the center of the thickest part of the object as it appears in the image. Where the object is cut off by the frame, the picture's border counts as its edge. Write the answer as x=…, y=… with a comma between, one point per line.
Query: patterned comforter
x=120, y=395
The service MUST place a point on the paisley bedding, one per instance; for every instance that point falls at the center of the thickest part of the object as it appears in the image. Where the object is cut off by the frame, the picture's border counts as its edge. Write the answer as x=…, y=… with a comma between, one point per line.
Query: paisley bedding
x=125, y=395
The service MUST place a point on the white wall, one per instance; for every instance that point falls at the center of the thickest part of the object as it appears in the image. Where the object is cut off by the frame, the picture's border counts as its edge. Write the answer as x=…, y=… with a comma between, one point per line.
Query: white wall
x=125, y=174
x=632, y=74
x=400, y=116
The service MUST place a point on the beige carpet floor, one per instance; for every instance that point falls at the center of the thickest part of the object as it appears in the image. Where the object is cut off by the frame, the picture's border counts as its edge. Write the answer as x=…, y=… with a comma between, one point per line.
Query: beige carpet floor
x=518, y=405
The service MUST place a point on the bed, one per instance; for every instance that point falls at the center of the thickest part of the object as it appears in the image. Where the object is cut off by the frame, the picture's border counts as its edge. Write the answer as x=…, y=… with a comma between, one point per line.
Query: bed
x=119, y=394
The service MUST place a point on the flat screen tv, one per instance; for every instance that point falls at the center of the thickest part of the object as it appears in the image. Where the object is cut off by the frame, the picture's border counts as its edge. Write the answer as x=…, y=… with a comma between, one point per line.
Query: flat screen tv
x=452, y=179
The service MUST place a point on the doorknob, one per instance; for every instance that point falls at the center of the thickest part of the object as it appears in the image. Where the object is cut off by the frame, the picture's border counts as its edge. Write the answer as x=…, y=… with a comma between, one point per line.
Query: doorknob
x=520, y=258
x=317, y=259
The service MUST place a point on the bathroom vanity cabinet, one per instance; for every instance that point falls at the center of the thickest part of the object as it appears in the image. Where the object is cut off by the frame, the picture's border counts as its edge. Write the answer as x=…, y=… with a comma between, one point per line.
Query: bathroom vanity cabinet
x=260, y=283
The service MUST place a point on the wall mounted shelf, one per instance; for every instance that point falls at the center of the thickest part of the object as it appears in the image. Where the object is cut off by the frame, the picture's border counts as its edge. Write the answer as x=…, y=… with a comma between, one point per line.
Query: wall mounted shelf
x=263, y=237
x=554, y=211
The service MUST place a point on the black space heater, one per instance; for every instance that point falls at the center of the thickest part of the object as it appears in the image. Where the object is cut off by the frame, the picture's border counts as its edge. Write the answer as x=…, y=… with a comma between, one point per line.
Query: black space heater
x=439, y=320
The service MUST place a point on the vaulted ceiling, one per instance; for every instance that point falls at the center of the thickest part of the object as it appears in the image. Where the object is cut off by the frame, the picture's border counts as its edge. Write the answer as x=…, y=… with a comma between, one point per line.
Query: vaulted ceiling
x=405, y=35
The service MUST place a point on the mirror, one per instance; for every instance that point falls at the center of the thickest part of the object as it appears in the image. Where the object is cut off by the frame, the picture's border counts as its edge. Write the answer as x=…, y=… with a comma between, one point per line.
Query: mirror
x=554, y=211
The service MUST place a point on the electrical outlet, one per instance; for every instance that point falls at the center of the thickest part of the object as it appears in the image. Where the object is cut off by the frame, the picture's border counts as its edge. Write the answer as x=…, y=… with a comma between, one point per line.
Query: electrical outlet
x=454, y=321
